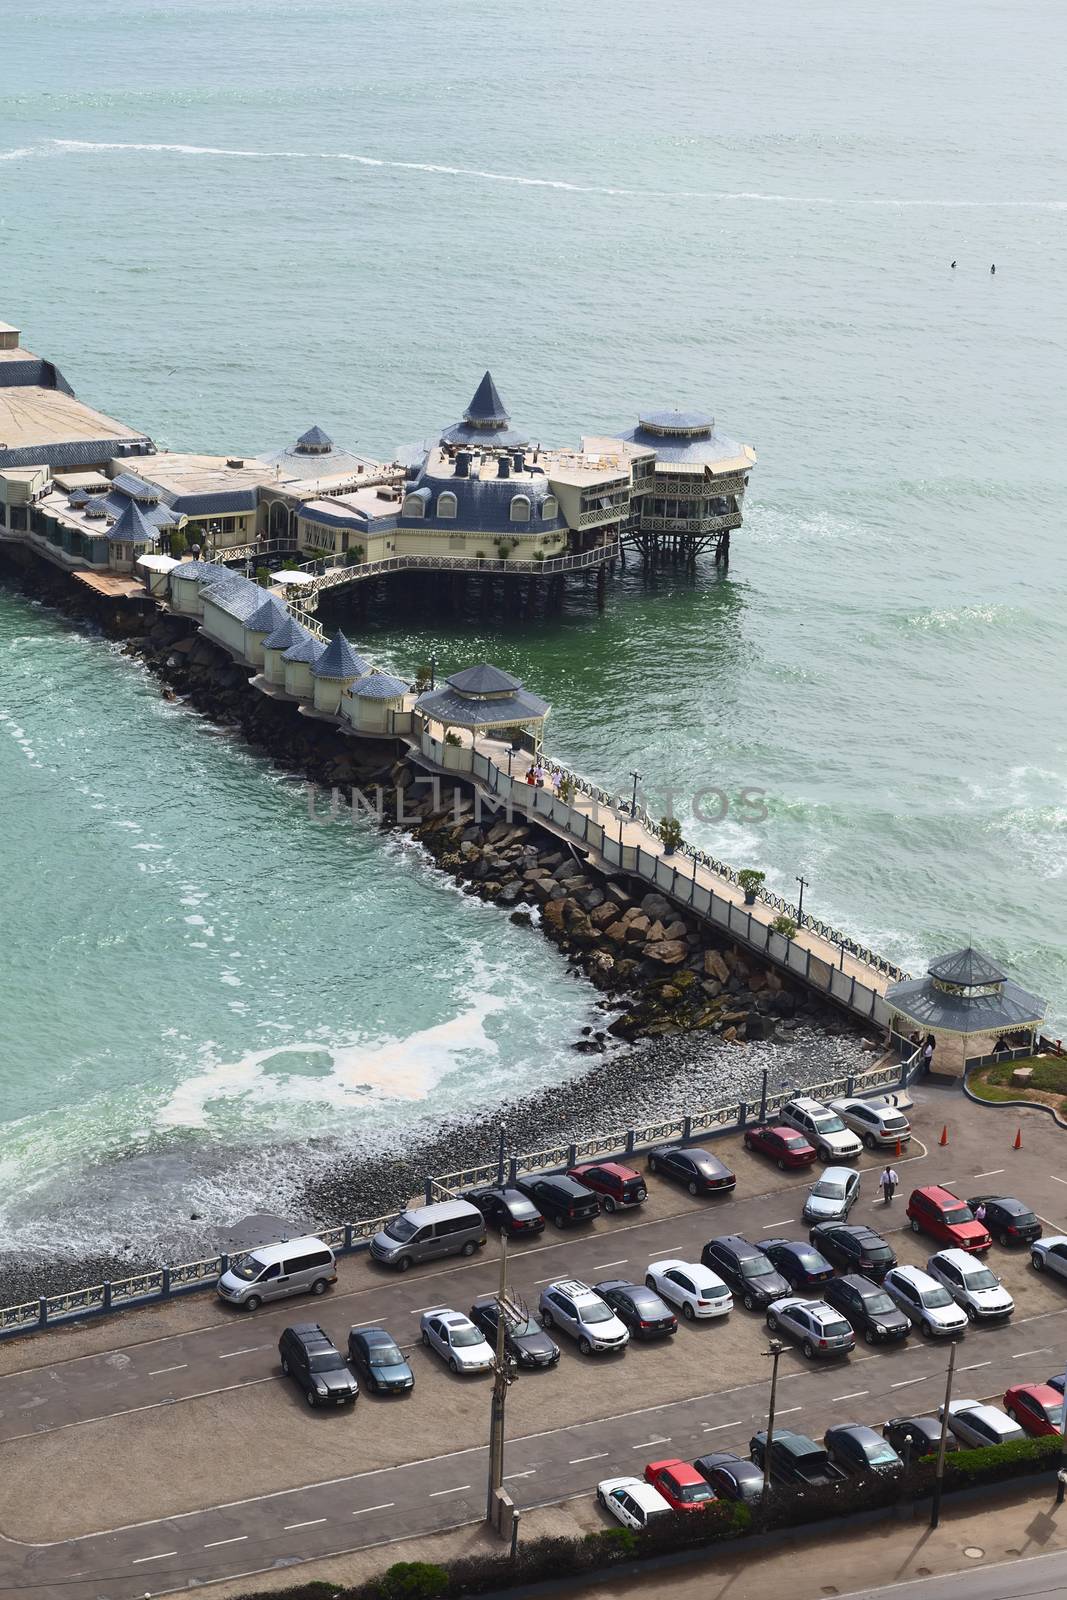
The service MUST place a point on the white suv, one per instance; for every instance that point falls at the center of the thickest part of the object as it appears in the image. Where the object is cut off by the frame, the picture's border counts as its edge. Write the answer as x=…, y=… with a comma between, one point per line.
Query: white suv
x=927, y=1302
x=572, y=1307
x=878, y=1125
x=972, y=1285
x=822, y=1127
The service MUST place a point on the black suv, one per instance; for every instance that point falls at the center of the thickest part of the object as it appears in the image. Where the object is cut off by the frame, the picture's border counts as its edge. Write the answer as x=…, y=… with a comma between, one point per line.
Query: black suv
x=747, y=1270
x=640, y=1308
x=524, y=1339
x=801, y=1263
x=508, y=1210
x=867, y=1307
x=853, y=1247
x=311, y=1359
x=795, y=1459
x=1010, y=1221
x=563, y=1200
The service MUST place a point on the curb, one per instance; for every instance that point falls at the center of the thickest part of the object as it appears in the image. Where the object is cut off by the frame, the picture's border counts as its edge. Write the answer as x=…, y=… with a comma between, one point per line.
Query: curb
x=1014, y=1105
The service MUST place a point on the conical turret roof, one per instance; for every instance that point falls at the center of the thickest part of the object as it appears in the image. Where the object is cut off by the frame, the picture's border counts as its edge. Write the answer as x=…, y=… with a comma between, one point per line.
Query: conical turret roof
x=307, y=649
x=969, y=968
x=132, y=527
x=485, y=421
x=486, y=406
x=286, y=634
x=314, y=440
x=339, y=660
x=270, y=615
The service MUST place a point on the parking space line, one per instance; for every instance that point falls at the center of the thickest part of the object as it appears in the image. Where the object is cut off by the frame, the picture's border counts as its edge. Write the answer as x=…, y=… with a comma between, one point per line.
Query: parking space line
x=599, y=1266
x=456, y=1489
x=857, y=1394
x=157, y=1372
x=1043, y=1350
x=1054, y=1178
x=784, y=1223
x=247, y=1351
x=788, y=1411
x=130, y=1411
x=527, y=1474
x=387, y=1505
x=601, y=1455
x=312, y=1522
x=416, y=1311
x=647, y=1445
x=975, y=1365
x=717, y=1427
x=554, y=1279
x=162, y=1556
x=238, y=1538
x=994, y=1174
x=903, y=1383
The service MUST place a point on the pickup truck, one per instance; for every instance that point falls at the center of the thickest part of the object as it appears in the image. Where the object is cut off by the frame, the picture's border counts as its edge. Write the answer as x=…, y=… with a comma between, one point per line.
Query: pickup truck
x=796, y=1459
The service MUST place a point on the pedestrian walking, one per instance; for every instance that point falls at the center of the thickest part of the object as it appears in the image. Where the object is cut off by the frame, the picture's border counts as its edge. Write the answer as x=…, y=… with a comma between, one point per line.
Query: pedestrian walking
x=928, y=1054
x=889, y=1181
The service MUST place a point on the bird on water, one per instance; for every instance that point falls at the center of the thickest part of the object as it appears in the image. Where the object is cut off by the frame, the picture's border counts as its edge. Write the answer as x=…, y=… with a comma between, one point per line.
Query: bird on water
x=953, y=265
x=993, y=270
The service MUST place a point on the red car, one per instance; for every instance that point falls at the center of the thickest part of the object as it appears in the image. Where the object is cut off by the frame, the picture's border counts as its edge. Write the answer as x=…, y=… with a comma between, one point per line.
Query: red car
x=785, y=1145
x=946, y=1218
x=681, y=1485
x=1037, y=1407
x=620, y=1186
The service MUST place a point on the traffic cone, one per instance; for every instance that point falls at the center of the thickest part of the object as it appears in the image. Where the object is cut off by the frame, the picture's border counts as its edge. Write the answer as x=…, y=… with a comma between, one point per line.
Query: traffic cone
x=1018, y=1139
x=944, y=1135
x=898, y=1150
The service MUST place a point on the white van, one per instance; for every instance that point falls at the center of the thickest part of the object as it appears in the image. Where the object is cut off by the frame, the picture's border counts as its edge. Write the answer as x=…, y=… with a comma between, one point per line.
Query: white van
x=424, y=1233
x=273, y=1271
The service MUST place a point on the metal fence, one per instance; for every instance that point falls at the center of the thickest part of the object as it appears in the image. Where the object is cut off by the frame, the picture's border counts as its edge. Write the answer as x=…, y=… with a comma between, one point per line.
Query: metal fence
x=167, y=1283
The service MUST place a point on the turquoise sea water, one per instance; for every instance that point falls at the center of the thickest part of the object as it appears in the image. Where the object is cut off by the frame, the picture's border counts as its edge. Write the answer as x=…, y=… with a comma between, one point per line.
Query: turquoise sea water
x=226, y=222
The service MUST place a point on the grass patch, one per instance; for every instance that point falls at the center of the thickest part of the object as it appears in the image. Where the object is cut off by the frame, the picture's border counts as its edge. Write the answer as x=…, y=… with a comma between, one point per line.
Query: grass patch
x=994, y=1083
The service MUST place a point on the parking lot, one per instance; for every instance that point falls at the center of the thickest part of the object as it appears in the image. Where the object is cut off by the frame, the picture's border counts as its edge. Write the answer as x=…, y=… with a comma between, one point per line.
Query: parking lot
x=171, y=1410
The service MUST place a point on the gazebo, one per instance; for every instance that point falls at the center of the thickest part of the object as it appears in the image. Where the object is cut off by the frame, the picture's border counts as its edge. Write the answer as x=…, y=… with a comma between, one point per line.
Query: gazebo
x=974, y=1011
x=483, y=698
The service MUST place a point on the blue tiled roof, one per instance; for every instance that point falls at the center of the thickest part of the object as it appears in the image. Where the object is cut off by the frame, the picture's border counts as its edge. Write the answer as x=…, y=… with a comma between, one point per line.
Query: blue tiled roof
x=486, y=405
x=483, y=505
x=695, y=448
x=239, y=597
x=287, y=634
x=271, y=615
x=455, y=710
x=339, y=660
x=351, y=517
x=690, y=422
x=314, y=439
x=484, y=679
x=485, y=420
x=79, y=498
x=224, y=502
x=65, y=456
x=379, y=686
x=132, y=527
x=201, y=571
x=128, y=483
x=308, y=649
x=33, y=373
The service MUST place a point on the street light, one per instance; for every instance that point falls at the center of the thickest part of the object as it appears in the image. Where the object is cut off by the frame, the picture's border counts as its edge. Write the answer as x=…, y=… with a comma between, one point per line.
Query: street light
x=502, y=1379
x=774, y=1350
x=942, y=1444
x=636, y=776
x=804, y=884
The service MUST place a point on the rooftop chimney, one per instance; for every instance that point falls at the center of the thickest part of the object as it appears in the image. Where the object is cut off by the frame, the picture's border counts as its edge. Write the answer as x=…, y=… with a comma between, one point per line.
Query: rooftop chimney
x=503, y=467
x=463, y=464
x=518, y=461
x=9, y=337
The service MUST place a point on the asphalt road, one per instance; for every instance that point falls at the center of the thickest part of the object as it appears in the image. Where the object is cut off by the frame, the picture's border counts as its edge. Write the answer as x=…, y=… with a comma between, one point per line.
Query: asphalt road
x=1041, y=1577
x=217, y=1468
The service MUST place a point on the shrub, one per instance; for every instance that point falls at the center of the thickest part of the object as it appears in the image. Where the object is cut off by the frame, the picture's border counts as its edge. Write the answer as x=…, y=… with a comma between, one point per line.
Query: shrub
x=355, y=556
x=750, y=878
x=452, y=739
x=785, y=925
x=566, y=789
x=263, y=577
x=670, y=832
x=414, y=1580
x=179, y=544
x=423, y=676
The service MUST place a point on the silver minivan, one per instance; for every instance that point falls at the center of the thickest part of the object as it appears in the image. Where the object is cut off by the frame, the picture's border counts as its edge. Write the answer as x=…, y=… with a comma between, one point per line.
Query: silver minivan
x=273, y=1271
x=424, y=1233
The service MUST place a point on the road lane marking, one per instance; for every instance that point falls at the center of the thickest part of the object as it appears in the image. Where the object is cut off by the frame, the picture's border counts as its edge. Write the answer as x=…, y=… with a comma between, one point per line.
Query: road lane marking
x=903, y=1384
x=238, y=1538
x=312, y=1522
x=788, y=1410
x=386, y=1505
x=157, y=1372
x=554, y=1279
x=162, y=1556
x=601, y=1455
x=417, y=1311
x=130, y=1411
x=717, y=1427
x=994, y=1174
x=975, y=1365
x=245, y=1351
x=1043, y=1350
x=1054, y=1178
x=456, y=1489
x=856, y=1395
x=600, y=1266
x=783, y=1224
x=649, y=1443
x=527, y=1474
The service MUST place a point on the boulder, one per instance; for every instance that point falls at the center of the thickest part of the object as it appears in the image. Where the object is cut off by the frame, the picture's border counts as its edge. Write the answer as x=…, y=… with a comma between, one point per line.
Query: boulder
x=616, y=932
x=604, y=915
x=592, y=898
x=615, y=892
x=553, y=915
x=657, y=931
x=676, y=929
x=668, y=952
x=639, y=924
x=655, y=906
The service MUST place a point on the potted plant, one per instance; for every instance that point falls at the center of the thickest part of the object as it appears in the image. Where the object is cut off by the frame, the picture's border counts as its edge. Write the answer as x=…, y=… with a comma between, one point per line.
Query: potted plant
x=263, y=577
x=670, y=832
x=566, y=788
x=785, y=926
x=479, y=555
x=178, y=544
x=503, y=550
x=751, y=881
x=452, y=739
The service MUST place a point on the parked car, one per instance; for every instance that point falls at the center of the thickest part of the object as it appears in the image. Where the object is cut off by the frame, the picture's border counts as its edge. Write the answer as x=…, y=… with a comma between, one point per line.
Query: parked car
x=1050, y=1255
x=833, y=1196
x=631, y=1501
x=787, y=1146
x=976, y=1425
x=645, y=1314
x=859, y=1451
x=563, y=1200
x=524, y=1339
x=429, y=1233
x=682, y=1486
x=867, y=1307
x=925, y=1302
x=508, y=1210
x=817, y=1328
x=274, y=1271
x=971, y=1284
x=854, y=1247
x=795, y=1459
x=731, y=1476
x=618, y=1186
x=375, y=1355
x=1010, y=1221
x=1056, y=1381
x=1037, y=1407
x=310, y=1357
x=699, y=1170
x=943, y=1215
x=821, y=1127
x=881, y=1127
x=800, y=1264
x=456, y=1340
x=917, y=1436
x=746, y=1270
x=574, y=1308
x=692, y=1287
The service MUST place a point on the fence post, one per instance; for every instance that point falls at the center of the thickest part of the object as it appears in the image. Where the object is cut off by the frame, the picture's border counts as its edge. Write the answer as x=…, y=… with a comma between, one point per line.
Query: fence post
x=42, y=1311
x=513, y=1169
x=763, y=1095
x=629, y=1141
x=164, y=1287
x=105, y=1304
x=348, y=1236
x=429, y=1191
x=850, y=1084
x=572, y=1155
x=687, y=1128
x=224, y=1263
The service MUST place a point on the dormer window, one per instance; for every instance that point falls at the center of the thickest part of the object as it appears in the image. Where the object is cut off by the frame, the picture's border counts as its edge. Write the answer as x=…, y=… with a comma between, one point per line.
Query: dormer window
x=446, y=504
x=414, y=506
x=520, y=508
x=549, y=508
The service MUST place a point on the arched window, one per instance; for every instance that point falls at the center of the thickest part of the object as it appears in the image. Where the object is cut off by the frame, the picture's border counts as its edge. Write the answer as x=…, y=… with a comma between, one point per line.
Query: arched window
x=413, y=506
x=446, y=504
x=549, y=508
x=520, y=508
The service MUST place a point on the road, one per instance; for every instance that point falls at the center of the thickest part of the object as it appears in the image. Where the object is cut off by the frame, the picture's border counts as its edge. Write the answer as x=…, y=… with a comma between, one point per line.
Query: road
x=1037, y=1576
x=254, y=1479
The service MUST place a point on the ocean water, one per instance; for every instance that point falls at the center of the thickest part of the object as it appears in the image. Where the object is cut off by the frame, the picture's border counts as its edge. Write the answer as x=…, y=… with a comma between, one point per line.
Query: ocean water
x=228, y=221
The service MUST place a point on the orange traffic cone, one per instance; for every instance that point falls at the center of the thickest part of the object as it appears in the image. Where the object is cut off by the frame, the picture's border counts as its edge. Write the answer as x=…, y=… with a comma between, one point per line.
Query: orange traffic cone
x=1018, y=1139
x=898, y=1150
x=944, y=1135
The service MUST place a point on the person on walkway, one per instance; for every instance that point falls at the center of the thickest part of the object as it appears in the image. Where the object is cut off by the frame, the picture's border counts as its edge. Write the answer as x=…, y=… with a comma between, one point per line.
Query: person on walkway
x=928, y=1054
x=889, y=1181
x=979, y=1215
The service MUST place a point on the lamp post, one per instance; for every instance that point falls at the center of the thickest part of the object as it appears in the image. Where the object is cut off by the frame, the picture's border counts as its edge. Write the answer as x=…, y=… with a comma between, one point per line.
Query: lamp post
x=502, y=1379
x=774, y=1350
x=942, y=1444
x=433, y=672
x=500, y=1157
x=804, y=884
x=636, y=776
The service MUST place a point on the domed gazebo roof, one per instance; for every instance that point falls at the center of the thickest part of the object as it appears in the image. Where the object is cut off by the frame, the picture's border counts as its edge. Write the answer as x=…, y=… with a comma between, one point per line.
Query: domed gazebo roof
x=482, y=697
x=966, y=969
x=966, y=993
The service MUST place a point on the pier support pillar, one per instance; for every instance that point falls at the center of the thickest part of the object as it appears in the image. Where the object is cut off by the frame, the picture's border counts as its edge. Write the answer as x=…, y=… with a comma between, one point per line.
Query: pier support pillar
x=601, y=587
